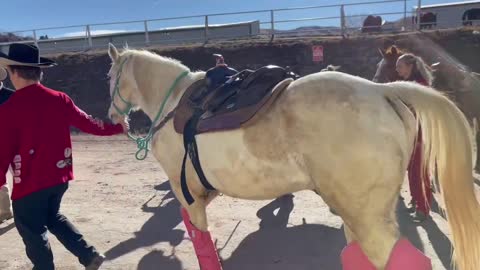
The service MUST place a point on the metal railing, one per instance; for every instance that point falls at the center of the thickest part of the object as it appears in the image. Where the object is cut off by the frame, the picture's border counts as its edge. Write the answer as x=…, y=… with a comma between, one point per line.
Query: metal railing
x=271, y=24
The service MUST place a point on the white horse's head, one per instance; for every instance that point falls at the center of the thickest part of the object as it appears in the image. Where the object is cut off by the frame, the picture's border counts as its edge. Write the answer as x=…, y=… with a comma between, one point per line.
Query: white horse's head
x=143, y=80
x=122, y=85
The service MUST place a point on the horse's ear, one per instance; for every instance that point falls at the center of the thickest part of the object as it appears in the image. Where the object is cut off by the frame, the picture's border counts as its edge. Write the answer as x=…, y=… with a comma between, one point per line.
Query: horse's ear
x=394, y=50
x=113, y=52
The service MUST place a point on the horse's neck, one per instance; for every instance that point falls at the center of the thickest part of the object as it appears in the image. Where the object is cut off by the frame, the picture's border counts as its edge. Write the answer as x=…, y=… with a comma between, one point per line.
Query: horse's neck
x=153, y=99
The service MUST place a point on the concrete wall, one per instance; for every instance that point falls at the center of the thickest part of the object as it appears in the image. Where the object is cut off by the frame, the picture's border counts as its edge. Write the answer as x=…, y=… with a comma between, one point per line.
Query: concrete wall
x=138, y=39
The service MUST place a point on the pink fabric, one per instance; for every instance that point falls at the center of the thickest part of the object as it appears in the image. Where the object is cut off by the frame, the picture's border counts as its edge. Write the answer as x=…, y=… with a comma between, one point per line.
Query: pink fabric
x=353, y=258
x=202, y=243
x=403, y=256
x=406, y=256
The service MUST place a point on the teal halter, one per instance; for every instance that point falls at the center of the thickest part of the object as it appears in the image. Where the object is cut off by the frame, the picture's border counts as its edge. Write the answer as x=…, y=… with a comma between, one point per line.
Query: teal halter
x=142, y=143
x=116, y=92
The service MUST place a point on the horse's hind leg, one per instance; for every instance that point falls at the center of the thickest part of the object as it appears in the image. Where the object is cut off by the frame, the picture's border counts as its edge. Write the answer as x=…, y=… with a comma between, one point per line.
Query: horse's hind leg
x=195, y=220
x=373, y=228
x=348, y=234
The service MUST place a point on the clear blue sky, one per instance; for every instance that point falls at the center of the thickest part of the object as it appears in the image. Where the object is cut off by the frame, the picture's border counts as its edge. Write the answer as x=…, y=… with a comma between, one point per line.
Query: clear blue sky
x=34, y=14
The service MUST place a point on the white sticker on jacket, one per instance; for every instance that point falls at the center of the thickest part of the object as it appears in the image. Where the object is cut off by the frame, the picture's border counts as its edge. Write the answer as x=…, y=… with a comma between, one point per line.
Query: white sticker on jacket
x=68, y=152
x=61, y=164
x=17, y=180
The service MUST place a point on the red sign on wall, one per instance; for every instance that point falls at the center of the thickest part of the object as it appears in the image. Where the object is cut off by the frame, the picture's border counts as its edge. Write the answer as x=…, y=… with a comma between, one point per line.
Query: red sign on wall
x=317, y=53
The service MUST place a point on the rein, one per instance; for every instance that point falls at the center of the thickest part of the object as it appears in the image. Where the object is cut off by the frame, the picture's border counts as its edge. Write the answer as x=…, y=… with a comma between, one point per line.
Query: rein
x=144, y=142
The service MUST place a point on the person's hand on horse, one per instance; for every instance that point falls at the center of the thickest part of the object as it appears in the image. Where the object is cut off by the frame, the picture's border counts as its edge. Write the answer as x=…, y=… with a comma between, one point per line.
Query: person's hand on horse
x=126, y=125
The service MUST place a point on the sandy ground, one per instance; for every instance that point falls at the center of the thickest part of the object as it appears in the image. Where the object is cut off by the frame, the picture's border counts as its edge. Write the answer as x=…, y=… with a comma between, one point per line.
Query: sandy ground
x=125, y=208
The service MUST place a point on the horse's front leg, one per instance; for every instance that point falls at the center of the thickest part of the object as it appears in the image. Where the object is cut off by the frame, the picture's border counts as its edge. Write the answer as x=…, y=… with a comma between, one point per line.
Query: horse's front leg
x=195, y=219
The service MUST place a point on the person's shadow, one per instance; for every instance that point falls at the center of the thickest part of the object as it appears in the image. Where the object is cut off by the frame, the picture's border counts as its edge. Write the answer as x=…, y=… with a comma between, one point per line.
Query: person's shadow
x=276, y=247
x=315, y=246
x=268, y=218
x=156, y=260
x=407, y=227
x=6, y=228
x=440, y=242
x=159, y=228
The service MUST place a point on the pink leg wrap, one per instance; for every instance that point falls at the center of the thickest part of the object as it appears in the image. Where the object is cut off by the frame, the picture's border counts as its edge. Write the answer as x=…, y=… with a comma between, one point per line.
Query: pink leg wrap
x=353, y=258
x=202, y=243
x=404, y=256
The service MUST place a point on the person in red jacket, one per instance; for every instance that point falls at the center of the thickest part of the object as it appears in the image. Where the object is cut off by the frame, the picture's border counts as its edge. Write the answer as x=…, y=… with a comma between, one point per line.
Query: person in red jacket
x=35, y=141
x=412, y=68
x=5, y=204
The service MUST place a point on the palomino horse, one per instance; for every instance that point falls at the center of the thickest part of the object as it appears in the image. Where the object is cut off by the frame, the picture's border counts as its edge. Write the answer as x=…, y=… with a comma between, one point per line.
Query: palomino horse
x=346, y=138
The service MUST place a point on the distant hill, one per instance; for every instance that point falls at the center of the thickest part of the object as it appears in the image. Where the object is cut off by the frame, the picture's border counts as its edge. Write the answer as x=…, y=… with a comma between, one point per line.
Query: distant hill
x=353, y=24
x=10, y=37
x=305, y=31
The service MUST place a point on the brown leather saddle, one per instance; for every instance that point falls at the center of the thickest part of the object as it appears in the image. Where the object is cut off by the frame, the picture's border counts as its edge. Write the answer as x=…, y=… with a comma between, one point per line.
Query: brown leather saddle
x=244, y=97
x=233, y=104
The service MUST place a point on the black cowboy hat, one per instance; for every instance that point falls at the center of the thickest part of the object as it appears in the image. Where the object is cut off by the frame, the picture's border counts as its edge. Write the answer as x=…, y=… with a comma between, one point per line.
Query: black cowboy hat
x=25, y=55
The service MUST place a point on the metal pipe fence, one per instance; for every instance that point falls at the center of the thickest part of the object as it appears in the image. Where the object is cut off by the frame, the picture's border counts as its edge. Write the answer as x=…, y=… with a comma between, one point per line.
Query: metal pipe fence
x=332, y=20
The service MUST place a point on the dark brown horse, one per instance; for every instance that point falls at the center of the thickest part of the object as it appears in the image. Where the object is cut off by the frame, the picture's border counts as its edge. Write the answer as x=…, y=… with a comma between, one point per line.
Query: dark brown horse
x=471, y=17
x=428, y=20
x=386, y=71
x=372, y=24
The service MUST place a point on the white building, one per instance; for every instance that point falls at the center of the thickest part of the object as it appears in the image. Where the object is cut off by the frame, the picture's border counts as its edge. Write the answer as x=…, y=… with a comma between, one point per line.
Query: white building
x=452, y=15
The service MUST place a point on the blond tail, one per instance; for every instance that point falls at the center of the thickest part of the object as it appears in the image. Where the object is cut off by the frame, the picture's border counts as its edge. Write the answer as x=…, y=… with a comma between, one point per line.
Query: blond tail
x=448, y=140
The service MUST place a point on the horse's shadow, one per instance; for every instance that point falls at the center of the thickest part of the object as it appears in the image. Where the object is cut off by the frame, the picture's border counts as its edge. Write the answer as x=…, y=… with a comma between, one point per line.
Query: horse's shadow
x=159, y=228
x=315, y=246
x=274, y=246
x=157, y=260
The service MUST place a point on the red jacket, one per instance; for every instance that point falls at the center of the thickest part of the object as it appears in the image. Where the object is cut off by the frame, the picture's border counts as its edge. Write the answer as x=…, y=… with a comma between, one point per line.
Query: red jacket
x=35, y=138
x=422, y=81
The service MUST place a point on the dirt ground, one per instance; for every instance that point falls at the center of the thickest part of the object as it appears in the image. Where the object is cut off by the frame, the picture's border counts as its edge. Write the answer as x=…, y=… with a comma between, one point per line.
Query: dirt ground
x=125, y=208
